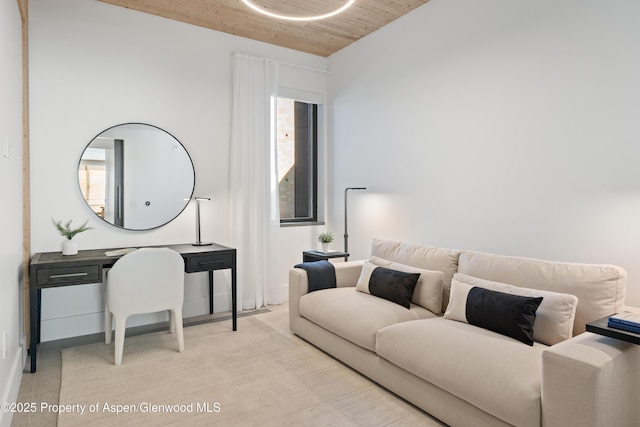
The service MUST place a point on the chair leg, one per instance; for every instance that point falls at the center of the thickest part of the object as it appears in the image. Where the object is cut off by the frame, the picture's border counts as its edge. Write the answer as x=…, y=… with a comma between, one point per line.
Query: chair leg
x=121, y=327
x=177, y=320
x=108, y=331
x=172, y=322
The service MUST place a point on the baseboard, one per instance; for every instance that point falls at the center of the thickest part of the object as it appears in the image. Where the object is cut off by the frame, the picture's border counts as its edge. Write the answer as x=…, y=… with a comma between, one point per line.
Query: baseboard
x=90, y=323
x=23, y=346
x=56, y=328
x=10, y=392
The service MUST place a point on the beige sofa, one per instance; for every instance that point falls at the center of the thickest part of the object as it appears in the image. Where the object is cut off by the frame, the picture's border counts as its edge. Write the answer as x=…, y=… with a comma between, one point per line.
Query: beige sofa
x=465, y=375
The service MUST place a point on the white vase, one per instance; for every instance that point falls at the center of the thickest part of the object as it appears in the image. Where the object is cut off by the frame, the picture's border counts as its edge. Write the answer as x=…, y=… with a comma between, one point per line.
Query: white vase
x=69, y=247
x=325, y=247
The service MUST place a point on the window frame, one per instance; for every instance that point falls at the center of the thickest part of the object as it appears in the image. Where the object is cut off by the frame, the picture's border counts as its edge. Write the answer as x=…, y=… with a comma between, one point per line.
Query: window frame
x=313, y=142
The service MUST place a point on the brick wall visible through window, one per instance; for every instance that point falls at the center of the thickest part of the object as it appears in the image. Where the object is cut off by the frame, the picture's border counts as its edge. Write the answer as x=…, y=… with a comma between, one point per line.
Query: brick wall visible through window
x=297, y=160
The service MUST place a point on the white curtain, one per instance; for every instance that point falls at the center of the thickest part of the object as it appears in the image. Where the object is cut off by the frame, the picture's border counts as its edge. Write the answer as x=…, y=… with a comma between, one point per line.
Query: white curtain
x=254, y=207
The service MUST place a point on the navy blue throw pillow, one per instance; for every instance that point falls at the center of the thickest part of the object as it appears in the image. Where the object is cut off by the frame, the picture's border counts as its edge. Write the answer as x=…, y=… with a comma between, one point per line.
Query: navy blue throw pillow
x=506, y=314
x=393, y=285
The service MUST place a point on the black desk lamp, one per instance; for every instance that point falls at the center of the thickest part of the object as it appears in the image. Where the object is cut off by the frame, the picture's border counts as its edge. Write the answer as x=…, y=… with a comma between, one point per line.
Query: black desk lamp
x=346, y=234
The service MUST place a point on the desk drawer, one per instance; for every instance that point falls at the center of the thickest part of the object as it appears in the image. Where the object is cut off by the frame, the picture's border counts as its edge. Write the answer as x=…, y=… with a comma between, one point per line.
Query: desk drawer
x=208, y=262
x=69, y=275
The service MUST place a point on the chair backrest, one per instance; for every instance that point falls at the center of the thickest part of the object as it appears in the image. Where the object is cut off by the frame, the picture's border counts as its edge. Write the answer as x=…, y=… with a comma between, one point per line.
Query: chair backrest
x=146, y=281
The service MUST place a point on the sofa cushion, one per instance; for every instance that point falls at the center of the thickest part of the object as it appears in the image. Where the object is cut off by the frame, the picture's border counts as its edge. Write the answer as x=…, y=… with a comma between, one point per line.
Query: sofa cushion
x=355, y=316
x=555, y=316
x=600, y=288
x=392, y=285
x=490, y=371
x=506, y=314
x=428, y=291
x=429, y=258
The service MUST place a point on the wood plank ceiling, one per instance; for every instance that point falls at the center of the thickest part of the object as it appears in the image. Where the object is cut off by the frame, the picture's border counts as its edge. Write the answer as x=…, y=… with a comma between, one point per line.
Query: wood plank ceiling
x=319, y=37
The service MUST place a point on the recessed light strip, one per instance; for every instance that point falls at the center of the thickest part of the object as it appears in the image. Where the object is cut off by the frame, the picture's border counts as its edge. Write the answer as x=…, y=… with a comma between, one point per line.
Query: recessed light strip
x=298, y=18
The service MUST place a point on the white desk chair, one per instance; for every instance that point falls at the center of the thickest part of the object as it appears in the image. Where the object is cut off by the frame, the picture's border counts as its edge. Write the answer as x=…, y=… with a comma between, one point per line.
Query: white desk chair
x=145, y=281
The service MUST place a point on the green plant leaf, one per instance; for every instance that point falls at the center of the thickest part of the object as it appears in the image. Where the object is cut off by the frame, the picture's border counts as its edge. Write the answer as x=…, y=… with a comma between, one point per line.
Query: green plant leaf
x=66, y=230
x=326, y=237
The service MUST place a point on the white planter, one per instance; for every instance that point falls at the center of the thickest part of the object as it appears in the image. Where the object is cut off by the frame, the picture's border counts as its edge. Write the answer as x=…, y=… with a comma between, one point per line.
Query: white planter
x=69, y=247
x=325, y=247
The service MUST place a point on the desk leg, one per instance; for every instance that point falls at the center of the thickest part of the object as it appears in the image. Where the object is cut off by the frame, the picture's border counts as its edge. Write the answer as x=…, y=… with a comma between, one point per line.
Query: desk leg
x=34, y=321
x=39, y=315
x=211, y=292
x=234, y=308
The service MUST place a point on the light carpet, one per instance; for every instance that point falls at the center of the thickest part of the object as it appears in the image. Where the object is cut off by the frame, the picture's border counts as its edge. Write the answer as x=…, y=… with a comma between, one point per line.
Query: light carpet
x=260, y=375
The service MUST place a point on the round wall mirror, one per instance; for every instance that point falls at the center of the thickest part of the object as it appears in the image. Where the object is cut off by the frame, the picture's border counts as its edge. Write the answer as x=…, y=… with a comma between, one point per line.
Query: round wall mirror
x=136, y=176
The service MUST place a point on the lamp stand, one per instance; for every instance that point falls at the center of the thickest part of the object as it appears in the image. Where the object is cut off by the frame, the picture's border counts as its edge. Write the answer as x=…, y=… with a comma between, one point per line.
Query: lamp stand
x=346, y=233
x=198, y=241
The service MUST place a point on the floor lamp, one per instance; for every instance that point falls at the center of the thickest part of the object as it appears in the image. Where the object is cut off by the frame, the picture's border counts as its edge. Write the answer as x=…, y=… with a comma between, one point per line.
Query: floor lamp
x=198, y=241
x=346, y=234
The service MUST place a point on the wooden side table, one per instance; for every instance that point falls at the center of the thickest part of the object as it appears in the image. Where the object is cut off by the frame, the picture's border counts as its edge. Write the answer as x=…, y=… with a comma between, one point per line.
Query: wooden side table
x=311, y=256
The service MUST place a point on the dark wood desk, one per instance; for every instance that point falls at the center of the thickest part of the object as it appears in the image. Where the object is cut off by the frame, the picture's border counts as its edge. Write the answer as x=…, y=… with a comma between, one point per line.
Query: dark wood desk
x=52, y=269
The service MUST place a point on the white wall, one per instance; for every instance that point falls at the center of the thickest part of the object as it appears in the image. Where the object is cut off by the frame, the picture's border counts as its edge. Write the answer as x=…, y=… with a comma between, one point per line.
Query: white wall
x=11, y=360
x=494, y=125
x=95, y=65
x=490, y=125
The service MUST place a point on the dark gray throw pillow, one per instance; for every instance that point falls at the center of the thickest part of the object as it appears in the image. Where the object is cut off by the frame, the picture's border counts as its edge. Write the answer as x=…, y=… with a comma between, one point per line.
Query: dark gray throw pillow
x=506, y=314
x=393, y=285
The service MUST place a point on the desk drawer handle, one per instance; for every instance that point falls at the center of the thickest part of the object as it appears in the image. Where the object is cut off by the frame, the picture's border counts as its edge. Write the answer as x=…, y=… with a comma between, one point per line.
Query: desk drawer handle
x=211, y=262
x=60, y=276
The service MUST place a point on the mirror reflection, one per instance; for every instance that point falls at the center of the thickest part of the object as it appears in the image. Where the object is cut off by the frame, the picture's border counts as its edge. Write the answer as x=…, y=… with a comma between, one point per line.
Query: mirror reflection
x=136, y=176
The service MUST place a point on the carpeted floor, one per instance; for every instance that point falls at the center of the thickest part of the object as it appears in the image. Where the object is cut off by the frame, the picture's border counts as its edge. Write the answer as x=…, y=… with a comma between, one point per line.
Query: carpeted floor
x=260, y=375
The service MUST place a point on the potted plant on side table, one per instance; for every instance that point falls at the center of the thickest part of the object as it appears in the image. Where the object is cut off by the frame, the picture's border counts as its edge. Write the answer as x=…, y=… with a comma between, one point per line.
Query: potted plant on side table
x=70, y=247
x=326, y=239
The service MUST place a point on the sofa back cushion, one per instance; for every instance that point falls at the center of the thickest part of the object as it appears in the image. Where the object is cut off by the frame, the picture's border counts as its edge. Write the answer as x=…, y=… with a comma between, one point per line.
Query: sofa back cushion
x=425, y=257
x=428, y=290
x=383, y=282
x=600, y=288
x=555, y=316
x=507, y=314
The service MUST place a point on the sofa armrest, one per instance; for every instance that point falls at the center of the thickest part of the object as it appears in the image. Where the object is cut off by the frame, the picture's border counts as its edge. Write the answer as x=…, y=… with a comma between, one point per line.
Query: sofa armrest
x=347, y=274
x=591, y=380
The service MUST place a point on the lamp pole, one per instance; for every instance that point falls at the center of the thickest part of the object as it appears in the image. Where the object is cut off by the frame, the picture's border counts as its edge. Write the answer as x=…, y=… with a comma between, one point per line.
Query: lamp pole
x=199, y=242
x=346, y=233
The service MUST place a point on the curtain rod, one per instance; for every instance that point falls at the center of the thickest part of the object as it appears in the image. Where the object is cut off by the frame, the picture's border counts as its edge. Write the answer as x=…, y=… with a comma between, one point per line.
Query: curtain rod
x=291, y=64
x=301, y=66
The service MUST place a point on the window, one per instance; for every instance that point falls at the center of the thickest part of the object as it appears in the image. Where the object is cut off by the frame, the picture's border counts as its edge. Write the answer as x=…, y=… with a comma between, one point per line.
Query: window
x=297, y=160
x=92, y=177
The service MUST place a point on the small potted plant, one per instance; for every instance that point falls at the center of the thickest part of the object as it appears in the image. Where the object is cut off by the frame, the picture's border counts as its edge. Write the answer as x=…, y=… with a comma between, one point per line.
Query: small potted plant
x=325, y=238
x=70, y=247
